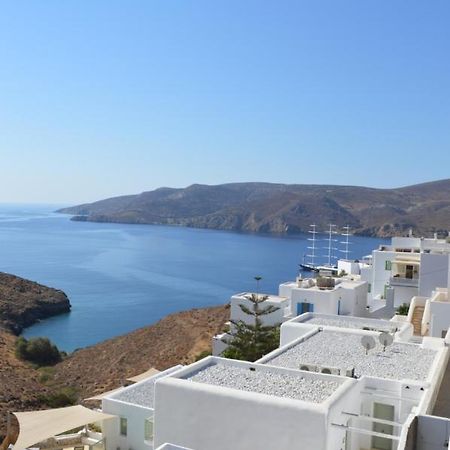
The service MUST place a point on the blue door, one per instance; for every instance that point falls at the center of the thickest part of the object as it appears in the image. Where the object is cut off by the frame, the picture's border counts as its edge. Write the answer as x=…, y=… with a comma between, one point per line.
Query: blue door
x=304, y=308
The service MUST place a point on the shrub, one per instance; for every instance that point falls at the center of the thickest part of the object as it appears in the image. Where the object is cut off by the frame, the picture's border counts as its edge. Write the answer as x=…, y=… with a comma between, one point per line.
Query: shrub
x=66, y=396
x=403, y=309
x=202, y=355
x=46, y=374
x=39, y=351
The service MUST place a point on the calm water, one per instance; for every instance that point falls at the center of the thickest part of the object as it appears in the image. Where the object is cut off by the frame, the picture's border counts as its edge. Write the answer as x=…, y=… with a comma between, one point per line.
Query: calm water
x=121, y=277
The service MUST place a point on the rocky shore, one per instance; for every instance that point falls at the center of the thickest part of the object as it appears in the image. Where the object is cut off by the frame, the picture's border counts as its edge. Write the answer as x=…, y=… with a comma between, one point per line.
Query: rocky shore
x=24, y=302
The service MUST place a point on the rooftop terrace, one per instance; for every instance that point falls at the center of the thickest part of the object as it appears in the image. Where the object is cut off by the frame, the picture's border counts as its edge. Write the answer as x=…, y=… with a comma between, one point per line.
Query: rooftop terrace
x=350, y=322
x=344, y=351
x=280, y=384
x=142, y=393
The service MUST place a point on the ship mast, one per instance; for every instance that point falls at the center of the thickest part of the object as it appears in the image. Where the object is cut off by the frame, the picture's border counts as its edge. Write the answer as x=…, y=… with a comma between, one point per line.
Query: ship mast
x=331, y=232
x=312, y=247
x=346, y=242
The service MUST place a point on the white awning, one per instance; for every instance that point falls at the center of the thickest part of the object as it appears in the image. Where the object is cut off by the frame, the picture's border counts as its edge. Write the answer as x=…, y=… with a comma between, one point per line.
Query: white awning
x=142, y=376
x=104, y=394
x=36, y=426
x=406, y=262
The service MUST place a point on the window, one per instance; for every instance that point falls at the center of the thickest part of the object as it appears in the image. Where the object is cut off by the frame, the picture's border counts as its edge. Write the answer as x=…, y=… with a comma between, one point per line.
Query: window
x=123, y=426
x=369, y=287
x=148, y=429
x=388, y=265
x=304, y=308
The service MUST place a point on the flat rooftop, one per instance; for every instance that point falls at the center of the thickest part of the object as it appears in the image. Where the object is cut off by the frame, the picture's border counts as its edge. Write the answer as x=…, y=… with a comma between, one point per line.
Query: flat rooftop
x=351, y=322
x=344, y=351
x=349, y=282
x=280, y=384
x=270, y=297
x=143, y=392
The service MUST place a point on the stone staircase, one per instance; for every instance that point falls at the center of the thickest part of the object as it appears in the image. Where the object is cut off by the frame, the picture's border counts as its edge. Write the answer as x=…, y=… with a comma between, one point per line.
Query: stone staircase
x=417, y=319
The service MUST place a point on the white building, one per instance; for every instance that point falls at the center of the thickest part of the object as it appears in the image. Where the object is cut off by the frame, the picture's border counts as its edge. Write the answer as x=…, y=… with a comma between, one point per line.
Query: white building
x=319, y=390
x=134, y=408
x=411, y=266
x=279, y=315
x=344, y=296
x=430, y=315
x=341, y=295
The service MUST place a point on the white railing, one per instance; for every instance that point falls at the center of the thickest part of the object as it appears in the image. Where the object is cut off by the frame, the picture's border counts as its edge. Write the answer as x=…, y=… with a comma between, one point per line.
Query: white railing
x=440, y=296
x=401, y=281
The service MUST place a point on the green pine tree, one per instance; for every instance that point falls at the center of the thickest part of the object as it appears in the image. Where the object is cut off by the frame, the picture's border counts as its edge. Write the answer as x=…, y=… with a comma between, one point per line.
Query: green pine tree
x=251, y=341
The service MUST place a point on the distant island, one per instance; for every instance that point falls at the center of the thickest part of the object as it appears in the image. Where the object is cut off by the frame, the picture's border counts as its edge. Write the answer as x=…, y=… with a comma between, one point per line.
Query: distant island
x=282, y=208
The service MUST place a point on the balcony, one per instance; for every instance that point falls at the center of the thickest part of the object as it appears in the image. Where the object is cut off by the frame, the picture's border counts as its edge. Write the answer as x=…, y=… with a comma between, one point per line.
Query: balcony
x=398, y=280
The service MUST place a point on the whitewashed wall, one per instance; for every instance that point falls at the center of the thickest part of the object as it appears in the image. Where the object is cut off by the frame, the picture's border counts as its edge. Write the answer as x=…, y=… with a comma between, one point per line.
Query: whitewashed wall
x=440, y=318
x=135, y=416
x=380, y=276
x=433, y=273
x=206, y=417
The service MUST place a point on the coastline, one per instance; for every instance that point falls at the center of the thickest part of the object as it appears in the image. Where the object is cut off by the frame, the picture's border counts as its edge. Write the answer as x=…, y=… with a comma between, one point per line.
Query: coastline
x=24, y=302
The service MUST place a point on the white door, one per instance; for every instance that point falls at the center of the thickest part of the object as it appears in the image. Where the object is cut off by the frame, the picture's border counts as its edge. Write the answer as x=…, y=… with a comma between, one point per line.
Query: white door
x=385, y=412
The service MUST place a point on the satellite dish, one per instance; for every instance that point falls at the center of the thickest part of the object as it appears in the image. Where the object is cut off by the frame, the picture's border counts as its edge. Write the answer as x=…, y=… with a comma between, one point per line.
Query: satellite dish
x=368, y=342
x=385, y=340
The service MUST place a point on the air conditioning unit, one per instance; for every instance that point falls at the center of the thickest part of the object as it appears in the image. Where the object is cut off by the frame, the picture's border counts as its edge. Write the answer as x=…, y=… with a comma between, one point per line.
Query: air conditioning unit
x=348, y=372
x=308, y=367
x=329, y=370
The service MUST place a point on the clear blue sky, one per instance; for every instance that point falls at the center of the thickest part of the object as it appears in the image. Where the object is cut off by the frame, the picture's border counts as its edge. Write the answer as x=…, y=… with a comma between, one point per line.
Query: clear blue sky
x=101, y=98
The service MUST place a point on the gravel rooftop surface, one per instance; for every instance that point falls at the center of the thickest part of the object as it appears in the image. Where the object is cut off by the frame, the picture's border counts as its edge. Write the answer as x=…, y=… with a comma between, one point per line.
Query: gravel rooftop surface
x=349, y=323
x=142, y=394
x=266, y=382
x=344, y=350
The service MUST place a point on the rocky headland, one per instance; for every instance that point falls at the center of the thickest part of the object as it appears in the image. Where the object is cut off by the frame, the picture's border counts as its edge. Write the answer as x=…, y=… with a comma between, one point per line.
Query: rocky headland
x=24, y=302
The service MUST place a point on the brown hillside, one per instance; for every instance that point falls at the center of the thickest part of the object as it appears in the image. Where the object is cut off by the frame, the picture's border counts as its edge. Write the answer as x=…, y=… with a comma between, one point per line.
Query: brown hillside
x=282, y=208
x=19, y=382
x=176, y=339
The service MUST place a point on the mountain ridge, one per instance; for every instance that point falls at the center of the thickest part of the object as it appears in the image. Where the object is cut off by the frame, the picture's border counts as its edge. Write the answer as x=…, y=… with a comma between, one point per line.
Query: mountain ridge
x=281, y=208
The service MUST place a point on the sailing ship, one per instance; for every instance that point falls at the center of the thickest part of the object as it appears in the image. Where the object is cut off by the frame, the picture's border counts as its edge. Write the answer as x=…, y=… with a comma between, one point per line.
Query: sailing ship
x=331, y=258
x=311, y=266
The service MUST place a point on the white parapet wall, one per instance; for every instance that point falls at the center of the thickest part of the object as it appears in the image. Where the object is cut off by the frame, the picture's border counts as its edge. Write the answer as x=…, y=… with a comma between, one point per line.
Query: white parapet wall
x=307, y=324
x=172, y=447
x=134, y=405
x=204, y=416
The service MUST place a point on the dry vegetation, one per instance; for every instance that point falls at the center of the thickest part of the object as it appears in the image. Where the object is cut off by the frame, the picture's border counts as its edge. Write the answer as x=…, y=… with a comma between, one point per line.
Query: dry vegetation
x=178, y=338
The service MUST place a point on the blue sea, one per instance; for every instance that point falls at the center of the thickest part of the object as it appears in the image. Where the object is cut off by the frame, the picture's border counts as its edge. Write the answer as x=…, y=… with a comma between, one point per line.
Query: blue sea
x=122, y=277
